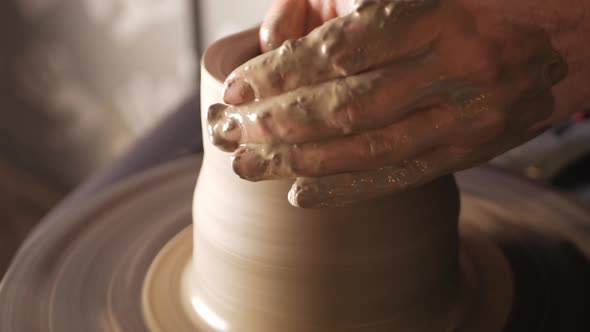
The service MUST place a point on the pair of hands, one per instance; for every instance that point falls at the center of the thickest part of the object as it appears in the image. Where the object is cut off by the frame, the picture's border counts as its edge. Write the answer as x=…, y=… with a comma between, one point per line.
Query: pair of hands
x=373, y=97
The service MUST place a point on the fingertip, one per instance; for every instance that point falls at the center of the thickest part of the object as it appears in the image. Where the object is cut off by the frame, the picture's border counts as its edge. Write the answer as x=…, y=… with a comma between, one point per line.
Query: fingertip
x=226, y=135
x=269, y=39
x=237, y=91
x=249, y=165
x=303, y=201
x=285, y=20
x=306, y=194
x=215, y=113
x=292, y=195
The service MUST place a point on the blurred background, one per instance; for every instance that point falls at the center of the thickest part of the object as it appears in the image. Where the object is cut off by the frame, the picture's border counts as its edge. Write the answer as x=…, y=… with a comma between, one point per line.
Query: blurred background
x=82, y=80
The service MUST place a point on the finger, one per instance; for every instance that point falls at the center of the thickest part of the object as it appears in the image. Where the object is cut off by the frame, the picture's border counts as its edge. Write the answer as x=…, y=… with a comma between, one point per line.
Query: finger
x=339, y=107
x=348, y=188
x=345, y=189
x=371, y=37
x=364, y=151
x=286, y=19
x=292, y=19
x=531, y=112
x=544, y=72
x=540, y=113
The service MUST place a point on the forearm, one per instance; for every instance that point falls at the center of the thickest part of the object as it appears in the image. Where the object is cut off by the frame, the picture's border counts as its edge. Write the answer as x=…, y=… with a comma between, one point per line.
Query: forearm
x=568, y=25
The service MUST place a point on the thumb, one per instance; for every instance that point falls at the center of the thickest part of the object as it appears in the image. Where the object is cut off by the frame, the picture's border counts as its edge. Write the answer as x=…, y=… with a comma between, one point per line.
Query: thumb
x=285, y=20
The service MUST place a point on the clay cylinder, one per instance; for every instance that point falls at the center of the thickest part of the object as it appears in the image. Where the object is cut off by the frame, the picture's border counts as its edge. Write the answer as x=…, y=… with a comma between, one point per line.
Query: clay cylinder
x=262, y=265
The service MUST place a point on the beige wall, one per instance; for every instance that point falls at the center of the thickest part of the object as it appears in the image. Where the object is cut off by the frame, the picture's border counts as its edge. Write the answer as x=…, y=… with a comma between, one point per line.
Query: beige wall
x=81, y=79
x=219, y=18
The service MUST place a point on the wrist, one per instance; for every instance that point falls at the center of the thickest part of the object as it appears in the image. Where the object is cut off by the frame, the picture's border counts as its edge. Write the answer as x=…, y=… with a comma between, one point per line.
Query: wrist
x=568, y=25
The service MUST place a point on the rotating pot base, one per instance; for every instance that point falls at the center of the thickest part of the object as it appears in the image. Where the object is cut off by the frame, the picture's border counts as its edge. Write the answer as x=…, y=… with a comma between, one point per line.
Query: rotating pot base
x=171, y=304
x=167, y=303
x=87, y=272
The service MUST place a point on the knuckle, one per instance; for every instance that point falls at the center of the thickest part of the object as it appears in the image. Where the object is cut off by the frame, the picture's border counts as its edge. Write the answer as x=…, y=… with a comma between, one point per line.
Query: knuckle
x=341, y=56
x=345, y=119
x=343, y=114
x=282, y=76
x=377, y=146
x=288, y=47
x=344, y=63
x=486, y=65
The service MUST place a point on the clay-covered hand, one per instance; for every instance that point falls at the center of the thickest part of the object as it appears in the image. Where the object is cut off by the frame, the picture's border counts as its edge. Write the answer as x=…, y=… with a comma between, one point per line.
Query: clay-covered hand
x=390, y=96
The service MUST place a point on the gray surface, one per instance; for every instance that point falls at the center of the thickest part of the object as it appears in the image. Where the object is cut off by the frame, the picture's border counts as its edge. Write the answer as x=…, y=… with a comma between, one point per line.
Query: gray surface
x=177, y=136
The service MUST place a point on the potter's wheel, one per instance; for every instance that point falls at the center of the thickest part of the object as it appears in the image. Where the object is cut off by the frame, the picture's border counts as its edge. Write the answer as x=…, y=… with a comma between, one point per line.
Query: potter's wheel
x=86, y=273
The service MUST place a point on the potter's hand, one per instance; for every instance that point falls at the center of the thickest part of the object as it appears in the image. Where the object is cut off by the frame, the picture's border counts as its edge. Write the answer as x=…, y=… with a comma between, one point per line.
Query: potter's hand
x=391, y=96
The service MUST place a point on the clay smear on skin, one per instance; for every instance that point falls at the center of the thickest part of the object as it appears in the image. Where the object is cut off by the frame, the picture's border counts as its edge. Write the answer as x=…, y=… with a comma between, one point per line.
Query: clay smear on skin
x=325, y=54
x=320, y=54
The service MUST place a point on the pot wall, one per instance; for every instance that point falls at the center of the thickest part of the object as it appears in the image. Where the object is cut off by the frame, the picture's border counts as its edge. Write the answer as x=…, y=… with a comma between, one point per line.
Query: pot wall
x=263, y=265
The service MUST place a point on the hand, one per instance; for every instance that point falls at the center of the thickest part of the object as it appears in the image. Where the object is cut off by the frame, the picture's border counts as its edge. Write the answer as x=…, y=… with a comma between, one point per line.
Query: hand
x=390, y=96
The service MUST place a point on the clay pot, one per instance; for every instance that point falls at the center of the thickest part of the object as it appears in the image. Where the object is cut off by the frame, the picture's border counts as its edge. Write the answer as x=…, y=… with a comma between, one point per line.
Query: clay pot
x=262, y=265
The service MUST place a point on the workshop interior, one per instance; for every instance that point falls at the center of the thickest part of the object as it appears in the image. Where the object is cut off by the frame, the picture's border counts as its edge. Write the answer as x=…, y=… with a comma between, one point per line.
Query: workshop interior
x=85, y=80
x=102, y=229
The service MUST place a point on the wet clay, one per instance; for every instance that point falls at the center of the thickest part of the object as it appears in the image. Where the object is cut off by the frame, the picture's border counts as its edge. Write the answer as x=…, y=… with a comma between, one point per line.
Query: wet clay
x=327, y=98
x=261, y=264
x=319, y=54
x=172, y=303
x=348, y=188
x=315, y=90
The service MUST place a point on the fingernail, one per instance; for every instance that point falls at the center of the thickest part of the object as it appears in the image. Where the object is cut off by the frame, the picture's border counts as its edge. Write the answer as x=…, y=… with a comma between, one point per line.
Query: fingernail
x=237, y=91
x=268, y=37
x=249, y=164
x=300, y=197
x=309, y=195
x=293, y=193
x=231, y=131
x=555, y=71
x=226, y=135
x=224, y=132
x=215, y=113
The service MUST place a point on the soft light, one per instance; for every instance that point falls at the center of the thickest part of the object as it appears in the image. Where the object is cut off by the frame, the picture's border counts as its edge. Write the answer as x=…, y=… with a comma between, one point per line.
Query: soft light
x=210, y=317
